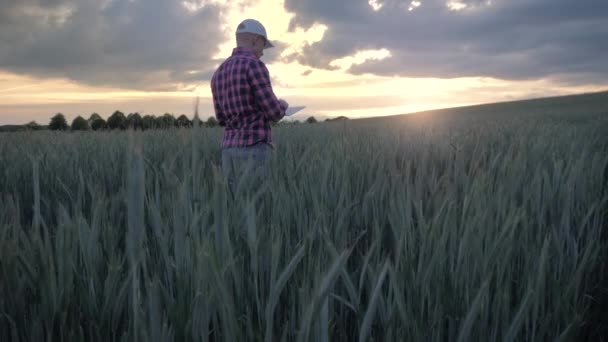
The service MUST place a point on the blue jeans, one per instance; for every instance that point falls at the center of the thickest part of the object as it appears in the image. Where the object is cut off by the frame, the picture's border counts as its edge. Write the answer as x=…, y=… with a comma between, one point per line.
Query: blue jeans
x=245, y=167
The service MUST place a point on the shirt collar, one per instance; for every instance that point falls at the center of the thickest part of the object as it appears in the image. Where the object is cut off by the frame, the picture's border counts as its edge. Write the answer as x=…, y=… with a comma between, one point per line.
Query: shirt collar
x=243, y=51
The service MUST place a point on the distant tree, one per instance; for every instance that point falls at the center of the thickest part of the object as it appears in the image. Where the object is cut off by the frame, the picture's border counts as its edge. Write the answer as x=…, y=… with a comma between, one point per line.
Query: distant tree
x=117, y=120
x=98, y=124
x=148, y=122
x=32, y=126
x=94, y=117
x=58, y=123
x=80, y=124
x=183, y=121
x=212, y=122
x=171, y=120
x=159, y=122
x=134, y=121
x=311, y=120
x=166, y=121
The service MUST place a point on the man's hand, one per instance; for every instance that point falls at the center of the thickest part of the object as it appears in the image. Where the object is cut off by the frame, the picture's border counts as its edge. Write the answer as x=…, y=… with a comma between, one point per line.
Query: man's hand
x=284, y=104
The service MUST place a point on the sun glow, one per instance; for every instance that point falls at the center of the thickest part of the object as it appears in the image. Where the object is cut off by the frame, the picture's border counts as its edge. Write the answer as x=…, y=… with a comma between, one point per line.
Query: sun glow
x=456, y=5
x=375, y=5
x=414, y=5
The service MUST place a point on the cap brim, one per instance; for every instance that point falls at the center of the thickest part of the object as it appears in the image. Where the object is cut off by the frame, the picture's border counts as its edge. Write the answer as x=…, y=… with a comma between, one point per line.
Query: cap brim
x=268, y=44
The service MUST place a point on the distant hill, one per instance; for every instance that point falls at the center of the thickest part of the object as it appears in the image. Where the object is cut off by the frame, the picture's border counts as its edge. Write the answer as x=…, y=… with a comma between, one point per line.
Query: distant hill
x=592, y=103
x=12, y=128
x=21, y=128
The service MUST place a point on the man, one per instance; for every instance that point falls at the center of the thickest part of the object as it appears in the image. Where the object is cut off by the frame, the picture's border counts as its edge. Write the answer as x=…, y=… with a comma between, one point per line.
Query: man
x=245, y=104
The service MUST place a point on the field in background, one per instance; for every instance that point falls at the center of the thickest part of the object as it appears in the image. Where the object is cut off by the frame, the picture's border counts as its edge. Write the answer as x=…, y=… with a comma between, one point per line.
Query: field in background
x=482, y=223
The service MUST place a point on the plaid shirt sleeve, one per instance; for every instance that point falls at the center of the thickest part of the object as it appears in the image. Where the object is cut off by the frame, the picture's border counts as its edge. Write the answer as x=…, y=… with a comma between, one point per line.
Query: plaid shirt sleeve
x=219, y=113
x=259, y=79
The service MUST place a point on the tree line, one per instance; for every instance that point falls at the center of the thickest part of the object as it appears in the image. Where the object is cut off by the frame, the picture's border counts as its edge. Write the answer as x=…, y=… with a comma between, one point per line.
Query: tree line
x=119, y=121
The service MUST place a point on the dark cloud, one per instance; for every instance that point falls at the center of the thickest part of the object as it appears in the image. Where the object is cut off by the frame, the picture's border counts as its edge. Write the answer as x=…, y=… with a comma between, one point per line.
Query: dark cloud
x=145, y=44
x=159, y=45
x=509, y=39
x=307, y=72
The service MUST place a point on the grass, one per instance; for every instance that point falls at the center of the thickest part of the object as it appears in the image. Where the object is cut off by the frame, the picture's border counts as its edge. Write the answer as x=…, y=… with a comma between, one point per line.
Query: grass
x=479, y=224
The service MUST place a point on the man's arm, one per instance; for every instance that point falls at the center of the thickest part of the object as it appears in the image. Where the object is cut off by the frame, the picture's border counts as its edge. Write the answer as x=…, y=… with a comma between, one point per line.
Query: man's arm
x=219, y=113
x=259, y=79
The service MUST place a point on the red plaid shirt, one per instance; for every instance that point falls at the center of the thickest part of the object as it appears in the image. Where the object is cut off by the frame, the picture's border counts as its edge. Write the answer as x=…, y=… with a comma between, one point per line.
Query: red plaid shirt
x=243, y=99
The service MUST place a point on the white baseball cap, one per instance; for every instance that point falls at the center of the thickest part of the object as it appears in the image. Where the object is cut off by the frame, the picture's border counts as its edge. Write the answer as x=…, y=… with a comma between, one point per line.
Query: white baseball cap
x=255, y=27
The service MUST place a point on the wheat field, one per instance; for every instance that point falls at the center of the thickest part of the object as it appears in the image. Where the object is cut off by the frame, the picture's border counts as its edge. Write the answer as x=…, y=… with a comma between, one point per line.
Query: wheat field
x=479, y=224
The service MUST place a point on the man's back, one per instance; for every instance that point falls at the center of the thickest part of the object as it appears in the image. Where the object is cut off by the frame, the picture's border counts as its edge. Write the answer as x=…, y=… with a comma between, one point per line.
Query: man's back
x=244, y=101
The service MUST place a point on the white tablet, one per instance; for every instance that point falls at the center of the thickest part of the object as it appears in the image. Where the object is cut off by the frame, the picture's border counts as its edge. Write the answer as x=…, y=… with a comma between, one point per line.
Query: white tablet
x=292, y=110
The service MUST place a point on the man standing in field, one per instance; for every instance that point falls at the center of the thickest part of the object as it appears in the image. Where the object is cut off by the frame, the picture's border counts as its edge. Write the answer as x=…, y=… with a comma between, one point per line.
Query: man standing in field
x=245, y=104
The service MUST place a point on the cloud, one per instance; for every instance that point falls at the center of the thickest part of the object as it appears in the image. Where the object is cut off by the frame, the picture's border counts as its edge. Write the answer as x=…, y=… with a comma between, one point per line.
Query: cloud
x=142, y=44
x=514, y=39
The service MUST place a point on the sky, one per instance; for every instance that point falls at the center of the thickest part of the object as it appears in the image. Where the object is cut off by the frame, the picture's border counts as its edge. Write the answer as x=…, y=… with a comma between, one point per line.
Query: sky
x=358, y=58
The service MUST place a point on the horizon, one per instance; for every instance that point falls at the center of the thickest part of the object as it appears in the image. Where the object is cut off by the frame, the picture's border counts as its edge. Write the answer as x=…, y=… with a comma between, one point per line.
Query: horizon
x=321, y=118
x=156, y=57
